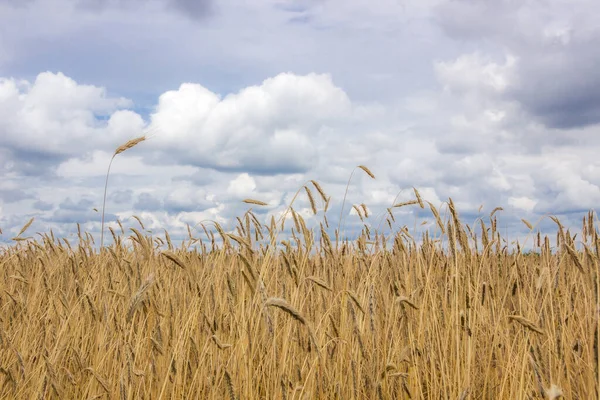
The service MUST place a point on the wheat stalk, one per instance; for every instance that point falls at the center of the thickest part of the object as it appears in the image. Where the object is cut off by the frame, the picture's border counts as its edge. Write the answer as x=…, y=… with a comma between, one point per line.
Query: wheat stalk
x=495, y=210
x=319, y=282
x=229, y=383
x=526, y=323
x=367, y=171
x=365, y=210
x=173, y=257
x=406, y=300
x=320, y=190
x=137, y=297
x=311, y=199
x=355, y=300
x=282, y=304
x=219, y=344
x=418, y=196
x=25, y=227
x=405, y=203
x=257, y=202
x=124, y=147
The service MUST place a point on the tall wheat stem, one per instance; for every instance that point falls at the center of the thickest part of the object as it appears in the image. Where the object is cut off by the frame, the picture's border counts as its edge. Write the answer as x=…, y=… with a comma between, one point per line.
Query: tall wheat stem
x=131, y=143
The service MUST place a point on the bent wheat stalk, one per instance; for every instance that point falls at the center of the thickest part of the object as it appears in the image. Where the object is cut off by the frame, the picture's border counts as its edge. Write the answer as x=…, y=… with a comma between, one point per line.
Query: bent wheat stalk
x=126, y=146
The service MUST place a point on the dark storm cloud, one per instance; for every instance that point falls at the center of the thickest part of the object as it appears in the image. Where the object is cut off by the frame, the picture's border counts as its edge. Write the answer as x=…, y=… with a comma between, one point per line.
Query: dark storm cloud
x=562, y=86
x=557, y=78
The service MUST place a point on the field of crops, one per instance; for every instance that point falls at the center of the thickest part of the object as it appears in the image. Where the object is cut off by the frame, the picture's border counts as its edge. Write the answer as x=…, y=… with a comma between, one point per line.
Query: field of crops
x=243, y=314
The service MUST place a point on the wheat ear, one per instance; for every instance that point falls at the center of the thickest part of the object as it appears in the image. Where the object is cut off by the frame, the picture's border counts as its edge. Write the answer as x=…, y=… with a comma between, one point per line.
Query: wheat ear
x=126, y=146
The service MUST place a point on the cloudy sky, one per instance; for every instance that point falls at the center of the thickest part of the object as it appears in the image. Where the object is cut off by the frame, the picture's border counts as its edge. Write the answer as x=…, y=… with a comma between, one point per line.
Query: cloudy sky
x=493, y=103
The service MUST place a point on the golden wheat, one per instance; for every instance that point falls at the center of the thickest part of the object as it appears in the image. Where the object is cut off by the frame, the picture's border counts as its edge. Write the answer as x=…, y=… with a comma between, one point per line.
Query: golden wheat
x=257, y=202
x=403, y=315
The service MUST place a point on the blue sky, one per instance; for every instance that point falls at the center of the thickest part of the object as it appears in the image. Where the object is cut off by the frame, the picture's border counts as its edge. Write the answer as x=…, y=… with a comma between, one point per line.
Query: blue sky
x=493, y=103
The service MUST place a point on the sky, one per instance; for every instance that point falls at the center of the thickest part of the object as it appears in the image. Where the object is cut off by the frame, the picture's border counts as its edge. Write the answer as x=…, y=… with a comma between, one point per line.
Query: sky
x=490, y=103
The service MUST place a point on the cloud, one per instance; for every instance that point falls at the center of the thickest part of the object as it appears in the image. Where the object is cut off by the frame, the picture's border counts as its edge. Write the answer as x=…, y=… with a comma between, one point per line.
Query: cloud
x=473, y=73
x=195, y=9
x=522, y=203
x=555, y=77
x=81, y=205
x=121, y=196
x=43, y=206
x=188, y=199
x=54, y=118
x=72, y=212
x=262, y=129
x=17, y=3
x=206, y=151
x=148, y=202
x=14, y=195
x=242, y=186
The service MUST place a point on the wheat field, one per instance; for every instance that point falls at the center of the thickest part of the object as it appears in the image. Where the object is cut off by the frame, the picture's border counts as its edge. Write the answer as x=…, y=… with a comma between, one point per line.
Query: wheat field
x=455, y=313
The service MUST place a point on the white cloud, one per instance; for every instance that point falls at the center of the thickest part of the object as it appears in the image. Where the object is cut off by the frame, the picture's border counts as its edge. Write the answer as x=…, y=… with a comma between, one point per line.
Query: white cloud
x=55, y=115
x=473, y=72
x=243, y=185
x=263, y=128
x=522, y=203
